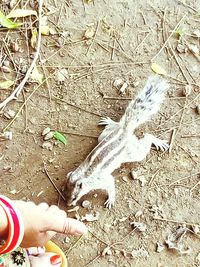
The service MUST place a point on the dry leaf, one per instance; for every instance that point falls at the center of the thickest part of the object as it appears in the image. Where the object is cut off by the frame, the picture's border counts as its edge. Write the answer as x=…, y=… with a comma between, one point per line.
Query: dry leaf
x=158, y=69
x=34, y=37
x=21, y=13
x=6, y=84
x=36, y=76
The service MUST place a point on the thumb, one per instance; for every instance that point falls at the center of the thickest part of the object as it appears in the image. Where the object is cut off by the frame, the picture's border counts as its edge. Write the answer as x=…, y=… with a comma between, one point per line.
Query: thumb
x=67, y=226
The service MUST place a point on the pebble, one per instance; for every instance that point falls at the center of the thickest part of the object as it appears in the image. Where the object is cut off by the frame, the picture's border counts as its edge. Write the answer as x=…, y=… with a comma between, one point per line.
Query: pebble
x=49, y=136
x=140, y=226
x=47, y=145
x=89, y=33
x=9, y=114
x=117, y=82
x=86, y=204
x=14, y=47
x=61, y=75
x=181, y=48
x=159, y=247
x=122, y=90
x=6, y=135
x=187, y=90
x=134, y=174
x=46, y=131
x=5, y=69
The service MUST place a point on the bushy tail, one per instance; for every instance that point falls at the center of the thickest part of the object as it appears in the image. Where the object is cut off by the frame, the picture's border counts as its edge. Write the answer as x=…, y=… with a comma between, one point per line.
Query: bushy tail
x=146, y=103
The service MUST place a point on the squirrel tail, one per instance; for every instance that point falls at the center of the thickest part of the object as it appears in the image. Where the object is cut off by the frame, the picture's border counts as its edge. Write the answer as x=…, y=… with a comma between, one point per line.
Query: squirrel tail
x=146, y=103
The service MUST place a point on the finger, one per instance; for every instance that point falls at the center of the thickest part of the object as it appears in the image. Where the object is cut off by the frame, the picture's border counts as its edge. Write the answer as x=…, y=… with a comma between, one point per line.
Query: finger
x=43, y=206
x=65, y=226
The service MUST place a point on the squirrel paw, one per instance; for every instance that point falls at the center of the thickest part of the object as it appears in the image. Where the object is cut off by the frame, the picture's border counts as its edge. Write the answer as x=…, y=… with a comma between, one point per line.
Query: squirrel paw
x=105, y=121
x=109, y=203
x=161, y=144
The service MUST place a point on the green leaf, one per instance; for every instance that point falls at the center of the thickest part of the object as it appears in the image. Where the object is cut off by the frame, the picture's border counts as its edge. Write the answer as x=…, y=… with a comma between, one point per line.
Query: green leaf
x=7, y=23
x=60, y=137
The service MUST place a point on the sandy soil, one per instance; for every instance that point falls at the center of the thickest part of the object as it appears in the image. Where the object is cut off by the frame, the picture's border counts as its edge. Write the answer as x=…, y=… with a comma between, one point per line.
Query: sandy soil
x=126, y=38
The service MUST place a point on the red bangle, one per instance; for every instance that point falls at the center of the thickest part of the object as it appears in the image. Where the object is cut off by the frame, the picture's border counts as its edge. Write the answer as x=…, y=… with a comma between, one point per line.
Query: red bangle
x=16, y=226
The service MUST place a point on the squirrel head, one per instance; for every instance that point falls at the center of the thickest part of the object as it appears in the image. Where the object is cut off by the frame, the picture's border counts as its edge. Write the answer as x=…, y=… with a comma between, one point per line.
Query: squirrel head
x=74, y=188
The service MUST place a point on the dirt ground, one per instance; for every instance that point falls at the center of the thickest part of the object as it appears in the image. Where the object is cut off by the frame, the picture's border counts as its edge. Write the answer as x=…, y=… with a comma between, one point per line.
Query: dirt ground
x=125, y=38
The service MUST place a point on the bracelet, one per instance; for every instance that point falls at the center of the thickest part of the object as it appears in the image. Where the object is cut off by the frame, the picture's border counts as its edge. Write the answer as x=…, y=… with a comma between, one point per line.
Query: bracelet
x=15, y=225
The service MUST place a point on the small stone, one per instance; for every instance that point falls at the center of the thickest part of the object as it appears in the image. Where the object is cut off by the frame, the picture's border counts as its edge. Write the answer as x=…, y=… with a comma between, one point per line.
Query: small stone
x=47, y=145
x=117, y=82
x=49, y=136
x=46, y=131
x=187, y=90
x=61, y=75
x=197, y=33
x=140, y=226
x=9, y=114
x=90, y=217
x=195, y=229
x=106, y=251
x=66, y=239
x=86, y=204
x=159, y=247
x=138, y=214
x=8, y=135
x=6, y=63
x=135, y=84
x=5, y=69
x=122, y=90
x=89, y=33
x=143, y=180
x=134, y=175
x=181, y=48
x=14, y=47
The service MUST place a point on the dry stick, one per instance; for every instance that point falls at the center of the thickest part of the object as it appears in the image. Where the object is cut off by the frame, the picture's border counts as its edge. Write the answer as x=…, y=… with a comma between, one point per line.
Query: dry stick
x=190, y=135
x=177, y=25
x=113, y=50
x=70, y=104
x=81, y=135
x=95, y=34
x=194, y=186
x=73, y=245
x=172, y=140
x=153, y=176
x=174, y=221
x=111, y=64
x=184, y=178
x=144, y=39
x=47, y=82
x=55, y=186
x=19, y=88
x=27, y=99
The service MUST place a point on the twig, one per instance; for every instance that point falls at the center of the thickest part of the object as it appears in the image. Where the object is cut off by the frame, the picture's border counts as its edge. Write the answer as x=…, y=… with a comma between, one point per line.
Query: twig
x=177, y=25
x=95, y=34
x=82, y=135
x=184, y=178
x=194, y=186
x=190, y=135
x=19, y=88
x=113, y=49
x=172, y=140
x=27, y=99
x=73, y=105
x=74, y=245
x=177, y=222
x=55, y=186
x=153, y=176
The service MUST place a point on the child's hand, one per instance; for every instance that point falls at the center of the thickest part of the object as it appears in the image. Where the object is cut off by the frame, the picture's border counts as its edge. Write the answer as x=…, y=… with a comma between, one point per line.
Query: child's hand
x=42, y=222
